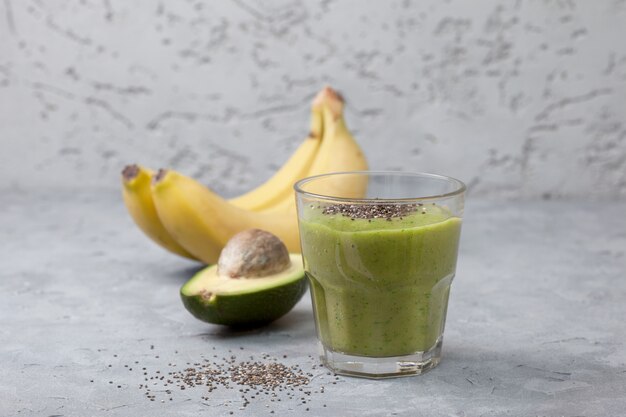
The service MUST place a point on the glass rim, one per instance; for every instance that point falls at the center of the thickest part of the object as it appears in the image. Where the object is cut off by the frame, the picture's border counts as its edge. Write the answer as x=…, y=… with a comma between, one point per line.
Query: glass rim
x=460, y=187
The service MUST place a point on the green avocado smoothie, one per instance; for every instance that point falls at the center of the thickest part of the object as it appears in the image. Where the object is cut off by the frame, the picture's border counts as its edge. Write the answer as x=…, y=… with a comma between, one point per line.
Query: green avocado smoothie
x=379, y=283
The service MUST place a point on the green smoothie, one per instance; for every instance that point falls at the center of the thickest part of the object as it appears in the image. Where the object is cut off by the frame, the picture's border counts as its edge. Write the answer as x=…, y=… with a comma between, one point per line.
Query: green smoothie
x=380, y=286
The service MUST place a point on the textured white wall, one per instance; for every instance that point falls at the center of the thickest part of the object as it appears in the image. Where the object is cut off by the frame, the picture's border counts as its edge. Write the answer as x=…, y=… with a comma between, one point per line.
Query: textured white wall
x=517, y=98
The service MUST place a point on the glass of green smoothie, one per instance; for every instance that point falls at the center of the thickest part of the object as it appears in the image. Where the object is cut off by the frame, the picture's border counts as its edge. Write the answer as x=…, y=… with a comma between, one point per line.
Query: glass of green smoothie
x=380, y=251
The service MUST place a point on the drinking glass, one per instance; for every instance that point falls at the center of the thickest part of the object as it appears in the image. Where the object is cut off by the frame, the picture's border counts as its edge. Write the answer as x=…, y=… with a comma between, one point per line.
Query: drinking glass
x=380, y=252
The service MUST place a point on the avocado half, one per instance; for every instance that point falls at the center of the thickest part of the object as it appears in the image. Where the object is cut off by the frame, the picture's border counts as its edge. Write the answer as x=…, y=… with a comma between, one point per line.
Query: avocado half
x=244, y=301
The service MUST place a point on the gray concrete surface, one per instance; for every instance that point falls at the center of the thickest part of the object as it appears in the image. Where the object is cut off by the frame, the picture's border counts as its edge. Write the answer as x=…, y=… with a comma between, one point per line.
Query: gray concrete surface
x=535, y=327
x=516, y=97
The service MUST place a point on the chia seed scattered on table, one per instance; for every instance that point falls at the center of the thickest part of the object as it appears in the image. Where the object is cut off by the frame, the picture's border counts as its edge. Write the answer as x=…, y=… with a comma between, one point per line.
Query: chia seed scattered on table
x=260, y=379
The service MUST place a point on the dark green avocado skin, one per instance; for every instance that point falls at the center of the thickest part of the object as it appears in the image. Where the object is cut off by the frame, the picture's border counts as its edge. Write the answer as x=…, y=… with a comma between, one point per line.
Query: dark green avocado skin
x=247, y=310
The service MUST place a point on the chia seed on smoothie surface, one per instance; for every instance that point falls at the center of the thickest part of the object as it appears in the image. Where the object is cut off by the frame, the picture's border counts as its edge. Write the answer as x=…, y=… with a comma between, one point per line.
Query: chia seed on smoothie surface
x=372, y=211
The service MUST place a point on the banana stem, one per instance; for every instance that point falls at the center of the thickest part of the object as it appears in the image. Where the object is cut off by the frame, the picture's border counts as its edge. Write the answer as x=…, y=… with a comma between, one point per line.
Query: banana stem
x=317, y=124
x=130, y=172
x=331, y=100
x=159, y=176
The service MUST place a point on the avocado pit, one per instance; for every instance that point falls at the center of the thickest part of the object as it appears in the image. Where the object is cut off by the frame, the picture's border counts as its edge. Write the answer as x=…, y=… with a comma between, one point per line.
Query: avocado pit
x=253, y=253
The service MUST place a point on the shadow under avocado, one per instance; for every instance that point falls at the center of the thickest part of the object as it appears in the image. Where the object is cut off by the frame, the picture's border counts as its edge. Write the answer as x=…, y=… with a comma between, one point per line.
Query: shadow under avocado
x=291, y=320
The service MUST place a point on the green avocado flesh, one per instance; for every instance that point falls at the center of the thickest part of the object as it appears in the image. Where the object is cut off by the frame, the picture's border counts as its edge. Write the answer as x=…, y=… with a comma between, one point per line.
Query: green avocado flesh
x=244, y=301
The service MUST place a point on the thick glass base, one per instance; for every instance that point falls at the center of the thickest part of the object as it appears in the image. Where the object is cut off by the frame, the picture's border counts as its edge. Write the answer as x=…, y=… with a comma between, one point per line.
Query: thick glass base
x=386, y=367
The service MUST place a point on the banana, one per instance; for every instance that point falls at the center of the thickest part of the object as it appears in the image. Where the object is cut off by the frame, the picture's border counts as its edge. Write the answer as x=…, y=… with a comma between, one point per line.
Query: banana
x=280, y=186
x=138, y=197
x=138, y=200
x=187, y=218
x=338, y=152
x=202, y=222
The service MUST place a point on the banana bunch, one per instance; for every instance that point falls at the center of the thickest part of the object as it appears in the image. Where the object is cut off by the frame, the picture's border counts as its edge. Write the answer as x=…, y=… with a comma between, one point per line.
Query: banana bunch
x=190, y=220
